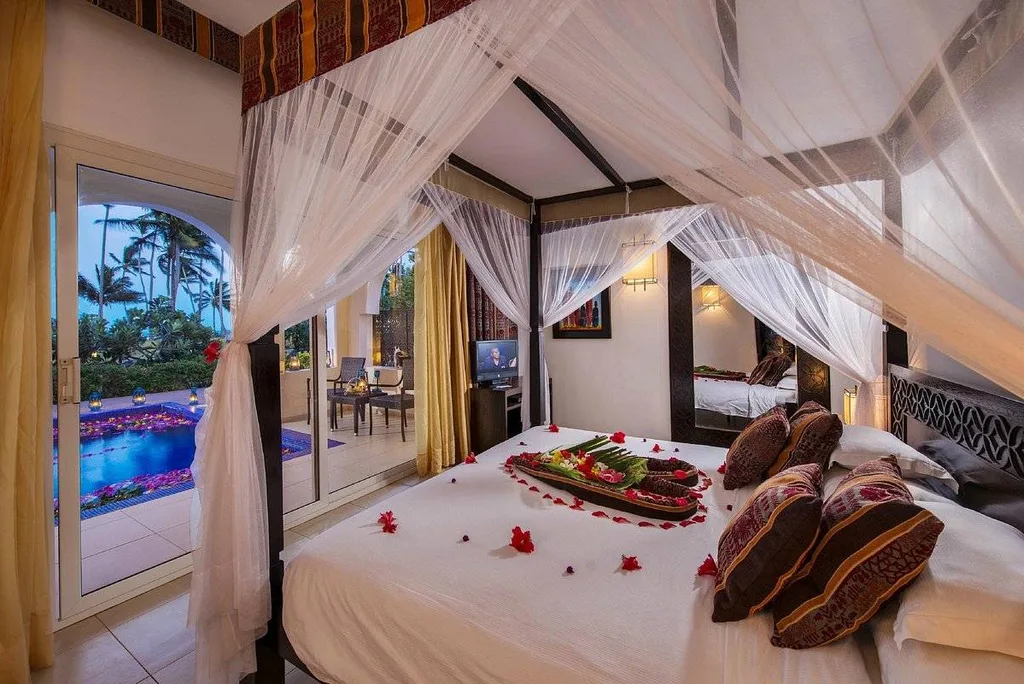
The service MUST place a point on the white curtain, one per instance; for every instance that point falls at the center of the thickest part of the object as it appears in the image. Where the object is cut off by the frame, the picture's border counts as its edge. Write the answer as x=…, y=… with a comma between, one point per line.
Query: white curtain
x=496, y=245
x=821, y=91
x=803, y=304
x=330, y=177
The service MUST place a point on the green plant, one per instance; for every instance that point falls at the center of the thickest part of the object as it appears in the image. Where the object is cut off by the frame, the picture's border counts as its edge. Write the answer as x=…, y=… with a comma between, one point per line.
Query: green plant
x=116, y=380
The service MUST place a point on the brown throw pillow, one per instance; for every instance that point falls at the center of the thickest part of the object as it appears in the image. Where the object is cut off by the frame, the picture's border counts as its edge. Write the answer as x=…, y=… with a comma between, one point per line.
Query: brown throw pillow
x=766, y=542
x=756, y=448
x=808, y=407
x=770, y=370
x=874, y=541
x=813, y=436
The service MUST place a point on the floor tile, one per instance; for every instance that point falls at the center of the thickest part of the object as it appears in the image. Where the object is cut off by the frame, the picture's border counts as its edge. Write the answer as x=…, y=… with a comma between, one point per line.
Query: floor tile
x=181, y=671
x=297, y=676
x=159, y=637
x=77, y=634
x=158, y=518
x=375, y=498
x=114, y=533
x=126, y=560
x=313, y=527
x=99, y=659
x=103, y=519
x=180, y=536
x=144, y=603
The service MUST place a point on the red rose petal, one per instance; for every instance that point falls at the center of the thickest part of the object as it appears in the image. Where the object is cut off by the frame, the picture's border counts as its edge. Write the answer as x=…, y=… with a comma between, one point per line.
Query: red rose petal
x=618, y=437
x=534, y=489
x=708, y=568
x=522, y=481
x=644, y=523
x=548, y=496
x=667, y=525
x=721, y=469
x=470, y=458
x=630, y=563
x=599, y=514
x=620, y=519
x=560, y=502
x=657, y=449
x=552, y=428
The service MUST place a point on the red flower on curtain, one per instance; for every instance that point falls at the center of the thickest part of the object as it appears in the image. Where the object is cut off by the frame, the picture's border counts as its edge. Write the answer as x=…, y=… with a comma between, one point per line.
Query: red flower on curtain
x=618, y=437
x=521, y=541
x=212, y=352
x=708, y=568
x=630, y=563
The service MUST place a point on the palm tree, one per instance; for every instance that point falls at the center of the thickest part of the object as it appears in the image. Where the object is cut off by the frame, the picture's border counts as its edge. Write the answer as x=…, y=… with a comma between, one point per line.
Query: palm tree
x=132, y=263
x=218, y=297
x=103, y=254
x=109, y=288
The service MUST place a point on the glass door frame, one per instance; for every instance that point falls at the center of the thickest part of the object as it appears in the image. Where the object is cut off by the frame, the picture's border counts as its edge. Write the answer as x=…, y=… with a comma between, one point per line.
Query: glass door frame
x=70, y=151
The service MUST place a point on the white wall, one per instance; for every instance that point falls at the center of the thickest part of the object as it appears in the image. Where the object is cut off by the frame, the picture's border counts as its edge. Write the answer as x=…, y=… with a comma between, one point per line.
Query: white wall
x=934, y=362
x=108, y=78
x=621, y=383
x=723, y=337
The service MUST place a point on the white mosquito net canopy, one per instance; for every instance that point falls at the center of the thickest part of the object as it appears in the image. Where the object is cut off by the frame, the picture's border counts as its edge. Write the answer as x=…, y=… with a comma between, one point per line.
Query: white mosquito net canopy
x=751, y=107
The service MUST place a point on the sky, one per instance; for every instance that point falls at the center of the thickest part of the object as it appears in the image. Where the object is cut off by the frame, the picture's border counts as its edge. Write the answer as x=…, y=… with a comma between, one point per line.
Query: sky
x=89, y=241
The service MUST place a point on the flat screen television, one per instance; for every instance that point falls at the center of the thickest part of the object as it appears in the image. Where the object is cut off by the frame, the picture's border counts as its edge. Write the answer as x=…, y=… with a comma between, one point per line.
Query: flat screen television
x=495, y=360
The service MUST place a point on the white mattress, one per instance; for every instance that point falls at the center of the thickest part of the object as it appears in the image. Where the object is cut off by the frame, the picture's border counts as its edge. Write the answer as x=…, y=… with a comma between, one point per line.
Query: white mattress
x=922, y=663
x=420, y=606
x=737, y=398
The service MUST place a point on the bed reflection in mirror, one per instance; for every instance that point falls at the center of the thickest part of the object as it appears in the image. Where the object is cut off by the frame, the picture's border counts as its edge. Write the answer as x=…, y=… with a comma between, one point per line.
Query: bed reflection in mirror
x=742, y=368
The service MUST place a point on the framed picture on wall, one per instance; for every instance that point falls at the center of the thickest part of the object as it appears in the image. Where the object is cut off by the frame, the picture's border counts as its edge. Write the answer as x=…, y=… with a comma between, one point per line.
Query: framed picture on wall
x=593, y=320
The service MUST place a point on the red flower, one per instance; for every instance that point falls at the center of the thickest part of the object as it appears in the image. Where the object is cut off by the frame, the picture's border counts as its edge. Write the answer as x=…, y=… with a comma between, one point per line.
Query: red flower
x=682, y=501
x=599, y=514
x=212, y=352
x=644, y=523
x=631, y=494
x=657, y=449
x=667, y=525
x=577, y=503
x=630, y=563
x=534, y=489
x=620, y=519
x=618, y=437
x=552, y=428
x=521, y=541
x=388, y=522
x=721, y=469
x=708, y=568
x=679, y=474
x=470, y=458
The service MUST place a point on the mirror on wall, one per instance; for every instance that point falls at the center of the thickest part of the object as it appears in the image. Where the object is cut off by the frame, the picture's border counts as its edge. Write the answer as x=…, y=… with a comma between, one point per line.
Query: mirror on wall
x=742, y=368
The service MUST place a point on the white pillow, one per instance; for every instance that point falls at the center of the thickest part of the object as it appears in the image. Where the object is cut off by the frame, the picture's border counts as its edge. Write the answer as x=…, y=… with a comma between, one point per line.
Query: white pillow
x=788, y=382
x=860, y=444
x=971, y=592
x=790, y=372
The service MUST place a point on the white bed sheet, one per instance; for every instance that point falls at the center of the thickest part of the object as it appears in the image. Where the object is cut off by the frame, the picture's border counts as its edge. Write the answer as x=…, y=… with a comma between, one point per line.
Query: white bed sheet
x=918, y=662
x=420, y=606
x=737, y=398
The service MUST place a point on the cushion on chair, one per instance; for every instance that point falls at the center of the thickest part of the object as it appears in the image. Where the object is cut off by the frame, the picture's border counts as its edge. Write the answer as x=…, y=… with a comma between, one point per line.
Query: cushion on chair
x=767, y=541
x=756, y=448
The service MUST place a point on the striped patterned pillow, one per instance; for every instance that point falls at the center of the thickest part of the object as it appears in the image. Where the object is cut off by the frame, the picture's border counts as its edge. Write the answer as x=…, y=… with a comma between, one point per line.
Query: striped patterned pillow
x=769, y=370
x=874, y=542
x=813, y=436
x=807, y=407
x=756, y=448
x=766, y=542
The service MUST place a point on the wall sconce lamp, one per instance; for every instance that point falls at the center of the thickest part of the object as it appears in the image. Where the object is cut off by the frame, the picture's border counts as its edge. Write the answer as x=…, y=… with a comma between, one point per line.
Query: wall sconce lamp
x=849, y=405
x=139, y=396
x=710, y=296
x=645, y=273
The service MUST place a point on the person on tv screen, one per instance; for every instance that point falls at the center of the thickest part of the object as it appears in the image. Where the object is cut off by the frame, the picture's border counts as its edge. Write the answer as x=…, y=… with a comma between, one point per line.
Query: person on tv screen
x=495, y=360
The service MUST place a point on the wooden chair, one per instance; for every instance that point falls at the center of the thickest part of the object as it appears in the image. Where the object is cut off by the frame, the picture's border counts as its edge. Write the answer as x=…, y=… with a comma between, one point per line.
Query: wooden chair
x=400, y=401
x=350, y=367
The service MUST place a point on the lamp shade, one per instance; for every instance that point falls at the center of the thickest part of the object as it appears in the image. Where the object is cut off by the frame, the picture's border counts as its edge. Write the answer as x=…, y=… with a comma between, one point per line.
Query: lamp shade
x=711, y=296
x=849, y=405
x=644, y=273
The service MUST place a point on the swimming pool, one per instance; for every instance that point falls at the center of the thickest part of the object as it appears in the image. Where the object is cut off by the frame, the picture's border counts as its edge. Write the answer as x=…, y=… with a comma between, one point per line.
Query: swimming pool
x=138, y=453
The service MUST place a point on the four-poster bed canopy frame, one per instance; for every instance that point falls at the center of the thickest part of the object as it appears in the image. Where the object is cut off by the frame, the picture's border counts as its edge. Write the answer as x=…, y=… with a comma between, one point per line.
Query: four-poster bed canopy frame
x=861, y=159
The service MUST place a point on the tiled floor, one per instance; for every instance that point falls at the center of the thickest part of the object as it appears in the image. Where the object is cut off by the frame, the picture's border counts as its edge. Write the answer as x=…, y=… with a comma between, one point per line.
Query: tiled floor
x=145, y=640
x=127, y=541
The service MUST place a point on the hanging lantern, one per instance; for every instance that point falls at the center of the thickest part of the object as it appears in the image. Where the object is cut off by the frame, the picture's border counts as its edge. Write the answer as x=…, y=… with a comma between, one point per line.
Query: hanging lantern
x=193, y=397
x=139, y=396
x=95, y=401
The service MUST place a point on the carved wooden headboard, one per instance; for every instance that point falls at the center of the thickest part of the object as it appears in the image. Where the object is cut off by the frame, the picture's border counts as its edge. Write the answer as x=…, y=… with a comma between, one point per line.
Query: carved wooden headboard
x=986, y=424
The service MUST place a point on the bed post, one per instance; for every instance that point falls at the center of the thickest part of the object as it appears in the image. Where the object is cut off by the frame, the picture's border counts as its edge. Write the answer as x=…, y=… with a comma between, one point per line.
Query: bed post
x=264, y=360
x=680, y=347
x=536, y=412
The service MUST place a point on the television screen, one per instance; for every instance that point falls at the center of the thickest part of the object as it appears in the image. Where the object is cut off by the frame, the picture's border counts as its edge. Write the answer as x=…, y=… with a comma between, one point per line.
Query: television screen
x=495, y=359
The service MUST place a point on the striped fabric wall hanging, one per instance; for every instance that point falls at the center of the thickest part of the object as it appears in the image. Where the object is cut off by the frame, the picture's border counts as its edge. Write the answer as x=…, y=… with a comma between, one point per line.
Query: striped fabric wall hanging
x=311, y=37
x=182, y=26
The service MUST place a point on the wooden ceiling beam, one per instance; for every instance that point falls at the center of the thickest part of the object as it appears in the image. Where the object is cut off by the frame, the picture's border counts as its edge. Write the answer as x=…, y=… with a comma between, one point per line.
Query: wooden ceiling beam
x=492, y=180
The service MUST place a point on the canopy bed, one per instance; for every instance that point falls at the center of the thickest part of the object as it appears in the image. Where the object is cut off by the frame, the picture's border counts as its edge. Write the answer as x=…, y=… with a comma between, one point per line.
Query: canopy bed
x=567, y=612
x=820, y=211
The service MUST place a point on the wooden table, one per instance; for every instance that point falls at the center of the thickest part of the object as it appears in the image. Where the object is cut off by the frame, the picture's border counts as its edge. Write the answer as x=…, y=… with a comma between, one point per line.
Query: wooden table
x=358, y=402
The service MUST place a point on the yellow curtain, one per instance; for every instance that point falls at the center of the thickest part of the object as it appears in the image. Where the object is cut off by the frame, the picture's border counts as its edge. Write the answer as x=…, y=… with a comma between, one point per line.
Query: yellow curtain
x=26, y=517
x=441, y=354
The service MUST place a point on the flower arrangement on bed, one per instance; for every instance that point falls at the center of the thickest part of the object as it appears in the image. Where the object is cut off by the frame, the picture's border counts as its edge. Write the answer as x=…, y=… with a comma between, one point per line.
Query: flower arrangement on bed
x=610, y=475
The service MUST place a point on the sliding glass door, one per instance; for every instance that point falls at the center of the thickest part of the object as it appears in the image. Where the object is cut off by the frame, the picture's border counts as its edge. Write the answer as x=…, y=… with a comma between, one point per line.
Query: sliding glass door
x=141, y=289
